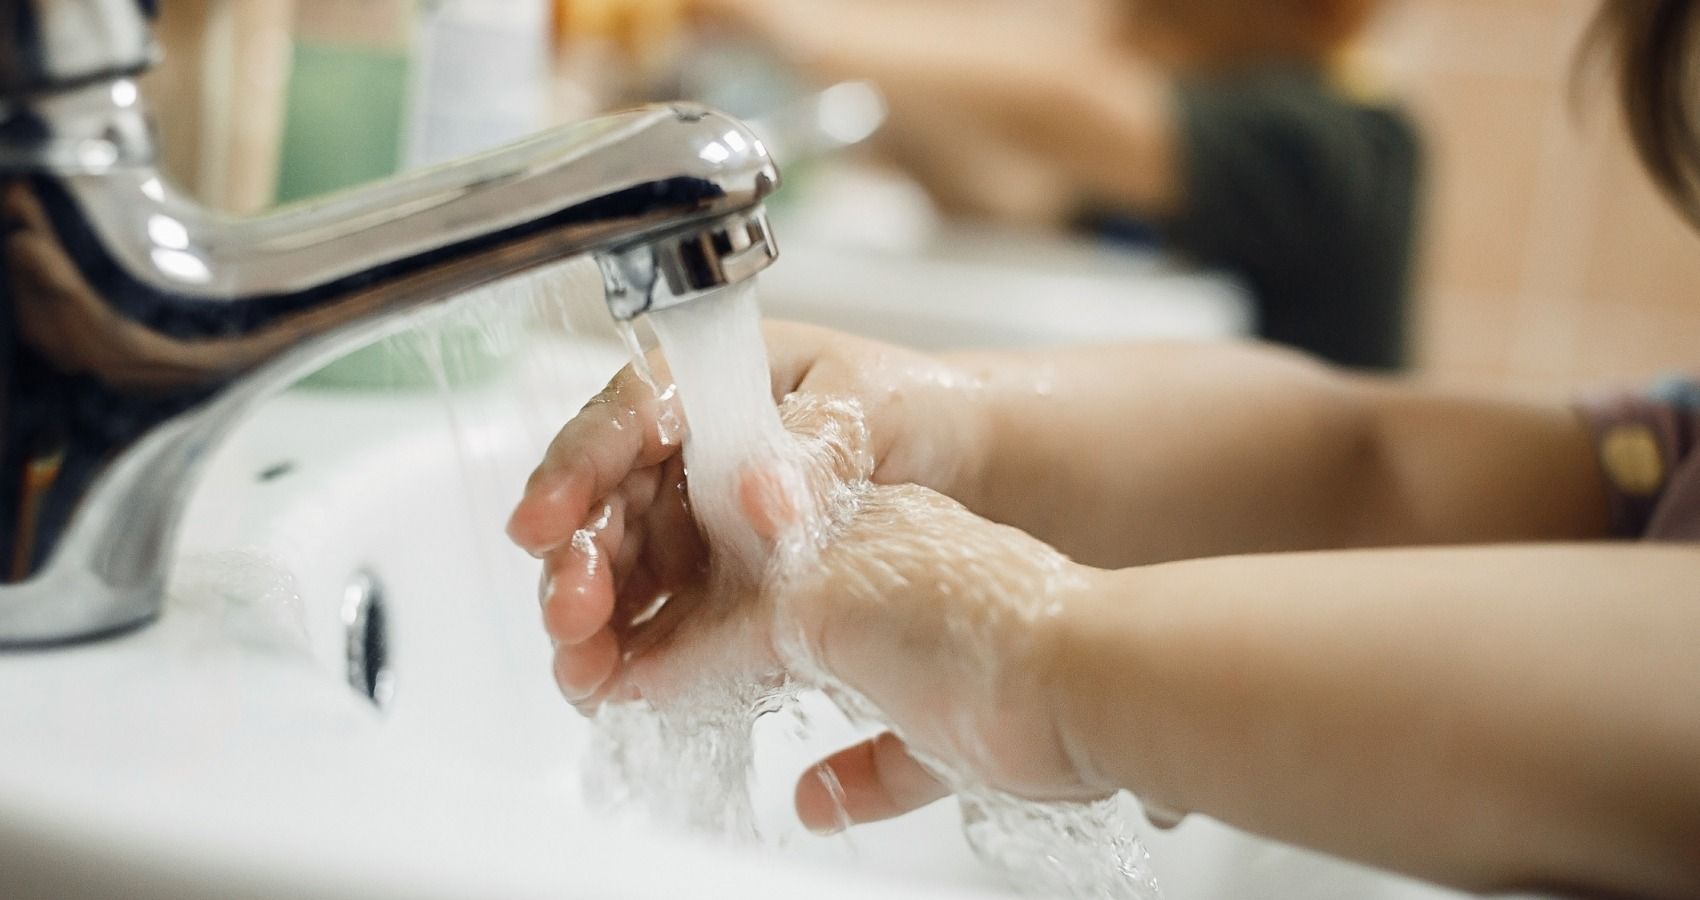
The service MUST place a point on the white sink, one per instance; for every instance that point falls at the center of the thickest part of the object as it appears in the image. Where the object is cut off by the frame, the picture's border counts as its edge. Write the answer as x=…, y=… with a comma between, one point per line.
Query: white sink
x=992, y=288
x=222, y=753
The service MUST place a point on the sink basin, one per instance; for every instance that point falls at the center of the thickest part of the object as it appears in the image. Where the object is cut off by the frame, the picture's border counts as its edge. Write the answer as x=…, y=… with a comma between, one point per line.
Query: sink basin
x=224, y=752
x=1003, y=289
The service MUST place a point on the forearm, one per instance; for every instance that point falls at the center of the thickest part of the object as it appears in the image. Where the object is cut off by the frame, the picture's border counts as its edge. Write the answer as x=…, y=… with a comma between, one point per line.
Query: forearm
x=1098, y=128
x=1128, y=455
x=1490, y=718
x=1132, y=455
x=1048, y=106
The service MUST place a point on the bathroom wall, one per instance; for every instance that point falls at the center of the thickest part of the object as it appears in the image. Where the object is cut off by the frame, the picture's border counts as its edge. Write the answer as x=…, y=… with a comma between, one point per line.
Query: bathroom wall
x=1550, y=262
x=224, y=88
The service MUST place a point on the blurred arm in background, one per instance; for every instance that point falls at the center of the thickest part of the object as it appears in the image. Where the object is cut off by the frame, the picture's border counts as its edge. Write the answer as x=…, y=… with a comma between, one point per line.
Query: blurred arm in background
x=1007, y=110
x=1226, y=130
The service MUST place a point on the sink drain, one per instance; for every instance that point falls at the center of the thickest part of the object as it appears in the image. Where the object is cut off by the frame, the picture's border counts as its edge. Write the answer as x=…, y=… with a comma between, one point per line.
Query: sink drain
x=365, y=620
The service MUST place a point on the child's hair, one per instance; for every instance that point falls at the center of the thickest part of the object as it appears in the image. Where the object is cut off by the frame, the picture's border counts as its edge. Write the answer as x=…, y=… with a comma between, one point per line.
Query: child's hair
x=1655, y=47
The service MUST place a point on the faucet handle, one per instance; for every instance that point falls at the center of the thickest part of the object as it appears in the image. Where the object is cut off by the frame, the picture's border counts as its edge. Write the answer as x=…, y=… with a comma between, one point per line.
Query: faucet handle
x=47, y=46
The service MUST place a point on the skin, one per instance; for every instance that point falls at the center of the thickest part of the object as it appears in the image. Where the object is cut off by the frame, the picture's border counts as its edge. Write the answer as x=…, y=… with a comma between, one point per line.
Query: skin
x=1031, y=113
x=1507, y=717
x=1019, y=117
x=1514, y=714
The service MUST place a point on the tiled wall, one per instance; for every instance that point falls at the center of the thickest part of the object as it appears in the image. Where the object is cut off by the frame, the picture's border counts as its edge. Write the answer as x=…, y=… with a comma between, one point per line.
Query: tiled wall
x=1550, y=261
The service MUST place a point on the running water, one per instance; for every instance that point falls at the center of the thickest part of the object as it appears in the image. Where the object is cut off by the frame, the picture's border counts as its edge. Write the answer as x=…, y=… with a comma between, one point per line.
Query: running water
x=691, y=758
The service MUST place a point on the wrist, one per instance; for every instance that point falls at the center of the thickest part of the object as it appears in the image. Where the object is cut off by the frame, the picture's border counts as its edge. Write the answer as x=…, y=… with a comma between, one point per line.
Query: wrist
x=974, y=392
x=948, y=432
x=1115, y=711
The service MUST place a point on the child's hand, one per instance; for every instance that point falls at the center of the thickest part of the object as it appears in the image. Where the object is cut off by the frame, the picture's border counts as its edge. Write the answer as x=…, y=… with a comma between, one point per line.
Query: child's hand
x=606, y=510
x=939, y=620
x=948, y=627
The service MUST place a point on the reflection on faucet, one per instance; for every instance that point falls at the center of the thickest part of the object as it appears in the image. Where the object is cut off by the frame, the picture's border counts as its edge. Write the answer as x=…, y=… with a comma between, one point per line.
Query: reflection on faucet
x=77, y=333
x=135, y=325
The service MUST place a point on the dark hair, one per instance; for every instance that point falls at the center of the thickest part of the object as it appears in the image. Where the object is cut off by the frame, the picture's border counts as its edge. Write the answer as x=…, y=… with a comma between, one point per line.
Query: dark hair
x=1655, y=49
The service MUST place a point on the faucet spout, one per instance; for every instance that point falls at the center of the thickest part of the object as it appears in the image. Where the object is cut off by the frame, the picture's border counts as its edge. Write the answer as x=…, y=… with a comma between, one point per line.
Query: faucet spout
x=136, y=326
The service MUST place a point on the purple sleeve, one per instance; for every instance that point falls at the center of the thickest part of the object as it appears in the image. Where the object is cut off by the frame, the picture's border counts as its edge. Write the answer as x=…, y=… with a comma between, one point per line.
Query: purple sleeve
x=1645, y=444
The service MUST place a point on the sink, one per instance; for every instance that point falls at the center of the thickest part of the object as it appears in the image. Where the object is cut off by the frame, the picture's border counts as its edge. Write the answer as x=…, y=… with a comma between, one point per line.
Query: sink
x=225, y=751
x=996, y=288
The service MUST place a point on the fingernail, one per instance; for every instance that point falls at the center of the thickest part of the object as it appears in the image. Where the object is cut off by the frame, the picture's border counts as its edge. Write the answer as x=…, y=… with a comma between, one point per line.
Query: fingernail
x=512, y=530
x=827, y=830
x=578, y=697
x=1162, y=818
x=532, y=549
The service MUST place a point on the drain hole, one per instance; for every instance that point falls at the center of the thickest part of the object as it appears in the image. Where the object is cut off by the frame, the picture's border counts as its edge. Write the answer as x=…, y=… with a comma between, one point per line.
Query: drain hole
x=275, y=471
x=366, y=620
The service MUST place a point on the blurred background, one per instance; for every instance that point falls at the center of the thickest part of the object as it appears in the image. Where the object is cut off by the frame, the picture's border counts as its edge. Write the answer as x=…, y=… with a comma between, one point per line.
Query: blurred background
x=1547, y=260
x=1543, y=259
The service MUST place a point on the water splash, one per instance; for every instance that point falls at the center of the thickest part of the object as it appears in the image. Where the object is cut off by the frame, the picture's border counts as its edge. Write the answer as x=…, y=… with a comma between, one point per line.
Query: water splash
x=688, y=763
x=252, y=597
x=1085, y=851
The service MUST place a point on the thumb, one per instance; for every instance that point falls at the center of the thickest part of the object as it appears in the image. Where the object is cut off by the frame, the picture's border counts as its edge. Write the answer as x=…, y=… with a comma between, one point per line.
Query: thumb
x=876, y=779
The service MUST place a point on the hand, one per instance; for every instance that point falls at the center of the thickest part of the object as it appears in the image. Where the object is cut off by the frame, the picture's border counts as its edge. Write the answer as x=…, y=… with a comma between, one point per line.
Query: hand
x=947, y=627
x=607, y=512
x=938, y=620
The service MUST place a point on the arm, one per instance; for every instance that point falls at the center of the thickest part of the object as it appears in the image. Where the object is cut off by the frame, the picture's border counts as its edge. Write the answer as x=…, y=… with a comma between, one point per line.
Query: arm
x=1487, y=717
x=1123, y=456
x=1131, y=455
x=1492, y=718
x=1017, y=116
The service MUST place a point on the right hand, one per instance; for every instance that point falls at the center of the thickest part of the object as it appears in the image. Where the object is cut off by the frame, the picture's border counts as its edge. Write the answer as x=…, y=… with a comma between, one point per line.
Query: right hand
x=948, y=627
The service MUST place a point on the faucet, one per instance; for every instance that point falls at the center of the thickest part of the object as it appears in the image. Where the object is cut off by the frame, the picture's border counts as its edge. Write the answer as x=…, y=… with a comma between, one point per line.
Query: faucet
x=136, y=327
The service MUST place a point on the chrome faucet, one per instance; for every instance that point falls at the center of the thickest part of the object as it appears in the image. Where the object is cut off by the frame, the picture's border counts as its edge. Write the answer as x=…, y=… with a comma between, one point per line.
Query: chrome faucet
x=136, y=326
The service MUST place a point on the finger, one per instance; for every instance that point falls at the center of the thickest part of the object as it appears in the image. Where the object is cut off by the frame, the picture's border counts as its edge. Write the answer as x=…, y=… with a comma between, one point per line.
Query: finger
x=835, y=451
x=580, y=671
x=619, y=431
x=578, y=592
x=578, y=588
x=673, y=548
x=792, y=351
x=873, y=780
x=833, y=433
x=766, y=505
x=638, y=493
x=615, y=690
x=627, y=557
